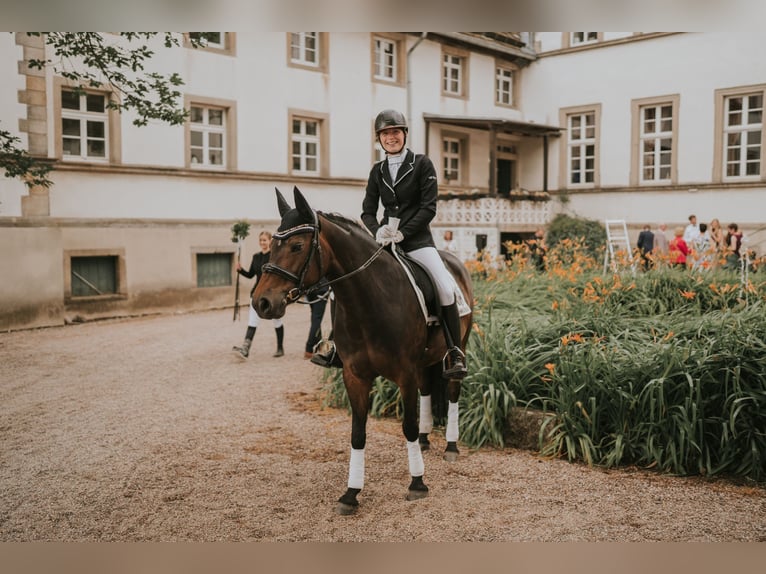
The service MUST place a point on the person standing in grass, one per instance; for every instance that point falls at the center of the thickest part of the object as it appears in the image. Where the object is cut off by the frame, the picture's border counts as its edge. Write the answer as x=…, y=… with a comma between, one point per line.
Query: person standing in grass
x=678, y=249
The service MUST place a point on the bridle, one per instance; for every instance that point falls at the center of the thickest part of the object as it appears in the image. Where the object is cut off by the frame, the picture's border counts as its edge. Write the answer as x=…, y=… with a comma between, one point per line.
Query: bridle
x=300, y=289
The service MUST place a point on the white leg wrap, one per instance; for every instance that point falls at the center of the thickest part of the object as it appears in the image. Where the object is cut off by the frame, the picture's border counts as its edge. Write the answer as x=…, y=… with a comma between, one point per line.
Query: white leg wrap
x=253, y=320
x=415, y=457
x=426, y=416
x=356, y=469
x=452, y=432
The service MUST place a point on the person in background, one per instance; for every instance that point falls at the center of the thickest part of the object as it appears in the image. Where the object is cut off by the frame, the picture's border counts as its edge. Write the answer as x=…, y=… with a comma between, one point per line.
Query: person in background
x=678, y=249
x=661, y=240
x=645, y=246
x=253, y=320
x=702, y=250
x=692, y=230
x=733, y=247
x=449, y=243
x=317, y=299
x=538, y=249
x=717, y=242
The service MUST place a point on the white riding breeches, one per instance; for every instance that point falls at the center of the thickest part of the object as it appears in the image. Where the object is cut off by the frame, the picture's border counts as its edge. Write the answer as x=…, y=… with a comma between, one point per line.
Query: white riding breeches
x=430, y=259
x=253, y=320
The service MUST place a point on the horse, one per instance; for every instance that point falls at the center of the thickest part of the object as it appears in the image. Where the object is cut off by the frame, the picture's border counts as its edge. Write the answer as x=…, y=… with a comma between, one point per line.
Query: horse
x=379, y=326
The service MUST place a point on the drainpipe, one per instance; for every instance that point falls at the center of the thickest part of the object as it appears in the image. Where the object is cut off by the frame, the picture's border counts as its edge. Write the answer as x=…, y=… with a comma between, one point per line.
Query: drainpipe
x=409, y=77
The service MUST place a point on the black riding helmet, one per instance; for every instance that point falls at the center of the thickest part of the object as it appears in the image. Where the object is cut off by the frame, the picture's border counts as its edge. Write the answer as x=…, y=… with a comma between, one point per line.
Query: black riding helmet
x=390, y=119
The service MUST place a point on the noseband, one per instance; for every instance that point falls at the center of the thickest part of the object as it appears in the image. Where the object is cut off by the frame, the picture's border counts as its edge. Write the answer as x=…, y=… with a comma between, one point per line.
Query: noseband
x=300, y=289
x=297, y=292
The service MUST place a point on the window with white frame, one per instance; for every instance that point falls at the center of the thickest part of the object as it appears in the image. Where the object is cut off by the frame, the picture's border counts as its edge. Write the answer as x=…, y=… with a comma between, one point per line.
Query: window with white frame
x=577, y=38
x=743, y=134
x=84, y=125
x=304, y=48
x=581, y=143
x=504, y=86
x=207, y=136
x=209, y=39
x=452, y=74
x=385, y=63
x=451, y=154
x=306, y=140
x=656, y=143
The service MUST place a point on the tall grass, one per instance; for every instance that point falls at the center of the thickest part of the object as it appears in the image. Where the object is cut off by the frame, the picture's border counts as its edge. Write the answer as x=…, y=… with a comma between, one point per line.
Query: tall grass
x=664, y=369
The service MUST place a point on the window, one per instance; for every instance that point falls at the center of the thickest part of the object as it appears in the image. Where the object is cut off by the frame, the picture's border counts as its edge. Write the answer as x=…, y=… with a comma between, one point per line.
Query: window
x=452, y=75
x=208, y=39
x=210, y=134
x=655, y=136
x=84, y=125
x=579, y=164
x=93, y=276
x=743, y=135
x=656, y=145
x=308, y=140
x=451, y=156
x=504, y=86
x=454, y=72
x=581, y=130
x=221, y=42
x=207, y=136
x=94, y=273
x=307, y=50
x=214, y=269
x=583, y=37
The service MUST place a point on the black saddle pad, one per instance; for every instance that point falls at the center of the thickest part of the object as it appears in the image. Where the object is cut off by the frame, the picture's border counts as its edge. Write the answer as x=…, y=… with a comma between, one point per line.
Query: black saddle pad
x=423, y=281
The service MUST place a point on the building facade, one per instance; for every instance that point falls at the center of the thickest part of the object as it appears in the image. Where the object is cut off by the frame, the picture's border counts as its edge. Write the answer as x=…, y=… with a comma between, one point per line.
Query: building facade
x=520, y=126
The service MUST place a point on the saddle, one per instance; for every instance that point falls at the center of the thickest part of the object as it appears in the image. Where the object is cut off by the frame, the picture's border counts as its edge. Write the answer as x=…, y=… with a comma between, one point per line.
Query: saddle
x=426, y=290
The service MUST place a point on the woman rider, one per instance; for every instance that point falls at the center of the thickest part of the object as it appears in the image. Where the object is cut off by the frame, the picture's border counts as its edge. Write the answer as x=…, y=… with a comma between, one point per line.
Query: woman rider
x=405, y=184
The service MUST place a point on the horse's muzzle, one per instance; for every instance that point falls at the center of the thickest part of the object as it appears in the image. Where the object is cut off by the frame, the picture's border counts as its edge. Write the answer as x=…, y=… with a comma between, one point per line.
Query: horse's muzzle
x=270, y=307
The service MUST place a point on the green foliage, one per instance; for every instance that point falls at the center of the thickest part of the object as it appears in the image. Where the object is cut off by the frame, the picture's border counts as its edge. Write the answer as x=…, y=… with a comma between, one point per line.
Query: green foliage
x=592, y=233
x=240, y=230
x=661, y=370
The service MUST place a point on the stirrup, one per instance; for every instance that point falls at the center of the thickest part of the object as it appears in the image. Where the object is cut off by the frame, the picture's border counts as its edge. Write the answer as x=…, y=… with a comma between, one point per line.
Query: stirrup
x=325, y=355
x=457, y=369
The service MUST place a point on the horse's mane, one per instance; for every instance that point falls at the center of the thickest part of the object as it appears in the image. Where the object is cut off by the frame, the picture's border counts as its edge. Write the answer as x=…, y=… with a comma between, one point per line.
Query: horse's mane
x=349, y=225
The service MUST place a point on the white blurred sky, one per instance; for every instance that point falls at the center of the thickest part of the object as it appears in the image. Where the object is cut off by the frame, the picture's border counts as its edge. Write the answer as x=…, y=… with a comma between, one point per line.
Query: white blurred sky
x=400, y=15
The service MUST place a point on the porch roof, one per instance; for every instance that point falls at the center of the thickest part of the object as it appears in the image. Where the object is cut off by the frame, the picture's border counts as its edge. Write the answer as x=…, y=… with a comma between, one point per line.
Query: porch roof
x=499, y=125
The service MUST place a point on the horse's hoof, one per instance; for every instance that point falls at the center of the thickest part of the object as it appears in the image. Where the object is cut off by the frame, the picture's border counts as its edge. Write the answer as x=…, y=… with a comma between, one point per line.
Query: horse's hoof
x=450, y=456
x=416, y=494
x=345, y=509
x=451, y=452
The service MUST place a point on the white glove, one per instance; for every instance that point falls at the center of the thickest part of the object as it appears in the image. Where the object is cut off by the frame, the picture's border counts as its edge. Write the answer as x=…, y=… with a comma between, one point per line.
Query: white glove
x=387, y=234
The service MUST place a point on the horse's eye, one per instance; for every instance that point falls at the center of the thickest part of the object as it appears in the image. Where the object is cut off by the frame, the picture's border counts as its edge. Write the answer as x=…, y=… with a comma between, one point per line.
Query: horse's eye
x=295, y=247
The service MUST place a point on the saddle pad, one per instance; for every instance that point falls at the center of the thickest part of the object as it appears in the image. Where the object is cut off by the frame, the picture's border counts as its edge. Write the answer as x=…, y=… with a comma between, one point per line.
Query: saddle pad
x=406, y=263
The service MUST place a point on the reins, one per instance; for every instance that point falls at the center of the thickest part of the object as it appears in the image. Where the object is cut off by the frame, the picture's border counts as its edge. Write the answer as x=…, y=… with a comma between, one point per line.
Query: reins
x=300, y=289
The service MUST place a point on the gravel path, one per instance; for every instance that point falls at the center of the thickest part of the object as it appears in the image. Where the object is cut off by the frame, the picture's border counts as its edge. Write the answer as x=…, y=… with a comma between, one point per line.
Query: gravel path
x=151, y=429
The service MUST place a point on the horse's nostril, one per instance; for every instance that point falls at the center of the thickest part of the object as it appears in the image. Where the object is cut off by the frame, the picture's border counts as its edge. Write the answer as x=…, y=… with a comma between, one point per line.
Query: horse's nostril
x=263, y=305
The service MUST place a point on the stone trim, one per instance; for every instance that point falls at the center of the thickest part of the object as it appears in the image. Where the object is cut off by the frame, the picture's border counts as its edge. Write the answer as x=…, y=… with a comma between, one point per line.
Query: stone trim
x=35, y=124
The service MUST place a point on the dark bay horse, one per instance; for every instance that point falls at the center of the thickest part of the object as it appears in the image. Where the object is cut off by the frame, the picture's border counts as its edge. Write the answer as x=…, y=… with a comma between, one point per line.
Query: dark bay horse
x=380, y=328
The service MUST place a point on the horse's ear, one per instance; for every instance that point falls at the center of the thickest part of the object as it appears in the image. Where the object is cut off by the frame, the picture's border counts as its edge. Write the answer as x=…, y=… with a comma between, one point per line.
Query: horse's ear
x=302, y=205
x=284, y=207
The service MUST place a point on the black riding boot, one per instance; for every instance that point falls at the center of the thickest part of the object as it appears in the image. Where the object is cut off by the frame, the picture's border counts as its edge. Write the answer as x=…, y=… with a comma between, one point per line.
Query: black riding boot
x=454, y=360
x=244, y=350
x=280, y=340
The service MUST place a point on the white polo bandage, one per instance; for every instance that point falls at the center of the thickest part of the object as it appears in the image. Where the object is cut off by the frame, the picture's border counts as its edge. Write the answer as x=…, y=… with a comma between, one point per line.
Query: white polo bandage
x=356, y=469
x=452, y=432
x=415, y=458
x=426, y=415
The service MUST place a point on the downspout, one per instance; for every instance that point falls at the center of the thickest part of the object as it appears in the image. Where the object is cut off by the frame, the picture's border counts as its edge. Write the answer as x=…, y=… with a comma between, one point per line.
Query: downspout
x=409, y=78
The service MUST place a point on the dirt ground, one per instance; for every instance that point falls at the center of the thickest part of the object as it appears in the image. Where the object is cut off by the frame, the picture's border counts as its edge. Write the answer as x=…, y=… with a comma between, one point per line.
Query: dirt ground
x=151, y=429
